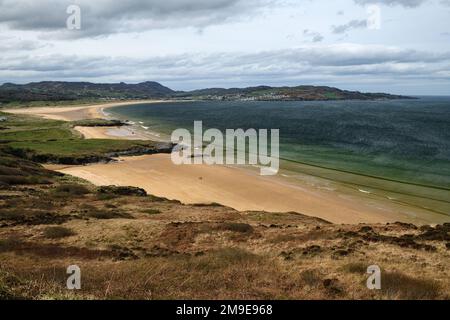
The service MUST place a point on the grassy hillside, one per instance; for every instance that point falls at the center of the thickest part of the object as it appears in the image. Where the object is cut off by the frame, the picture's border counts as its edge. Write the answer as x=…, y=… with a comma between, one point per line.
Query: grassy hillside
x=60, y=91
x=299, y=93
x=56, y=91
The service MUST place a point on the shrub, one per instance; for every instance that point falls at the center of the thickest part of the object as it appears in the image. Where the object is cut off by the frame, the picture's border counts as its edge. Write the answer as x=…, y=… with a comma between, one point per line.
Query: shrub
x=72, y=189
x=9, y=244
x=122, y=191
x=107, y=215
x=237, y=227
x=14, y=180
x=97, y=123
x=110, y=206
x=152, y=211
x=57, y=232
x=11, y=214
x=106, y=196
x=206, y=205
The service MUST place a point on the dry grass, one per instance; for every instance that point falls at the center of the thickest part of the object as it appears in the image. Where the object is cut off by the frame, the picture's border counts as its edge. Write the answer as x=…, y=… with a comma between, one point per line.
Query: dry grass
x=237, y=227
x=355, y=267
x=311, y=278
x=71, y=189
x=397, y=285
x=57, y=232
x=151, y=211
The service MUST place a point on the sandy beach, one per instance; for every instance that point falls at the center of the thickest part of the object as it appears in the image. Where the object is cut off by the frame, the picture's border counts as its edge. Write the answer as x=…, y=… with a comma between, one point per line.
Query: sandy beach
x=75, y=113
x=239, y=188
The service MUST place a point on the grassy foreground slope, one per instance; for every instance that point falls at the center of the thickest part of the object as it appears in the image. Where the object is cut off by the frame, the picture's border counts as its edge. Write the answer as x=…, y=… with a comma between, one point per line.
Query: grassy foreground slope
x=130, y=245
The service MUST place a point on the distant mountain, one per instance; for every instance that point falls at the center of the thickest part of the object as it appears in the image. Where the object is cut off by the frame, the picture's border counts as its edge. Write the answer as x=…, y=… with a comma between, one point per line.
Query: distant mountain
x=60, y=91
x=55, y=90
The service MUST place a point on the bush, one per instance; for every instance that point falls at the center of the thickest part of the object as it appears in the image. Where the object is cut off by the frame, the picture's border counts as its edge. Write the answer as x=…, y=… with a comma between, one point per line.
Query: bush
x=98, y=123
x=72, y=189
x=122, y=191
x=237, y=227
x=152, y=211
x=57, y=232
x=11, y=214
x=107, y=215
x=26, y=216
x=9, y=244
x=106, y=196
x=14, y=180
x=206, y=205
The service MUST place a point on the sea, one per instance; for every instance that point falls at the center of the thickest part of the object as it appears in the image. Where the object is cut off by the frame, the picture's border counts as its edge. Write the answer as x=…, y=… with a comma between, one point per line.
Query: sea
x=397, y=149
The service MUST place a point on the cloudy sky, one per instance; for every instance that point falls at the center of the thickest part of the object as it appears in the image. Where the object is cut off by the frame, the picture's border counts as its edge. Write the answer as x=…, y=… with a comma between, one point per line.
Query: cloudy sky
x=397, y=46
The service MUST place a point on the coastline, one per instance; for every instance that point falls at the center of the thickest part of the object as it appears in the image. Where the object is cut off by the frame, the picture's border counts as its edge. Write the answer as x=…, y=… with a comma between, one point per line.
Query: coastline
x=238, y=188
x=96, y=111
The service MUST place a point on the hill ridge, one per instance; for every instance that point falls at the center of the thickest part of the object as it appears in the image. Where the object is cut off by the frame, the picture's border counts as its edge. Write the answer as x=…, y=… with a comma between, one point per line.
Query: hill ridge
x=67, y=91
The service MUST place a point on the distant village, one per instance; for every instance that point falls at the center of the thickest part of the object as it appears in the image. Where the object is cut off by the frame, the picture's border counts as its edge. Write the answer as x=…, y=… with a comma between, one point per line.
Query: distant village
x=244, y=97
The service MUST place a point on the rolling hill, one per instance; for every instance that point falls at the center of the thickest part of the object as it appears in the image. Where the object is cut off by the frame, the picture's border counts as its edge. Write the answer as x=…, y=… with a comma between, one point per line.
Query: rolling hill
x=70, y=91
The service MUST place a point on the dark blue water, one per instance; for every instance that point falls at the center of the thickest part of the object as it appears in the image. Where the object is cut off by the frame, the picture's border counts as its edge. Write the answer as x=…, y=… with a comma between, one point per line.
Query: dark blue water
x=406, y=140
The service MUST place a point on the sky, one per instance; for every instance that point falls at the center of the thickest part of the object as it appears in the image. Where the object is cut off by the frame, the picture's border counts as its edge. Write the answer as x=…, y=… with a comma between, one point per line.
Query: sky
x=394, y=46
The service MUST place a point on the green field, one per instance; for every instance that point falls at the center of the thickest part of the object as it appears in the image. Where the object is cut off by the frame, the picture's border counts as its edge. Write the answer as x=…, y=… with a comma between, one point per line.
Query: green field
x=55, y=141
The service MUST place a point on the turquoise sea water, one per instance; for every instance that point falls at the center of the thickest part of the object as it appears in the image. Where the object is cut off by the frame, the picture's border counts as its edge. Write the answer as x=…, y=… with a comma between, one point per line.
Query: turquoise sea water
x=400, y=148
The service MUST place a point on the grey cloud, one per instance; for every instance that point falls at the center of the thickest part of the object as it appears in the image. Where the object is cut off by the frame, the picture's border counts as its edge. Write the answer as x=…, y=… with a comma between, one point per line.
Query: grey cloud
x=404, y=3
x=354, y=24
x=322, y=63
x=314, y=36
x=103, y=17
x=14, y=45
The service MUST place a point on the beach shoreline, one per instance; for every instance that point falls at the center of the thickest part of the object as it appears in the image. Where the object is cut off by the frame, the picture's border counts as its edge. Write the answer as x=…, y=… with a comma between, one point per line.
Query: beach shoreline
x=239, y=188
x=95, y=111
